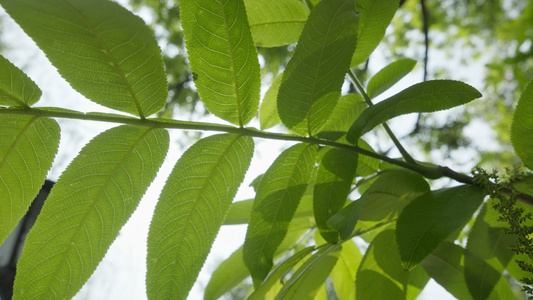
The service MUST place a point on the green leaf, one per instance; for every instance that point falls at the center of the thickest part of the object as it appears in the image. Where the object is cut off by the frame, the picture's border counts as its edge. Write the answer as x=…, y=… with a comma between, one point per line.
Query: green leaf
x=344, y=220
x=190, y=211
x=307, y=280
x=380, y=275
x=104, y=51
x=525, y=185
x=383, y=200
x=277, y=198
x=312, y=81
x=343, y=274
x=388, y=76
x=348, y=108
x=390, y=193
x=522, y=126
x=479, y=274
x=268, y=112
x=239, y=212
x=367, y=165
x=229, y=274
x=91, y=201
x=487, y=253
x=278, y=272
x=444, y=266
x=429, y=219
x=28, y=146
x=428, y=96
x=16, y=88
x=276, y=23
x=334, y=178
x=222, y=54
x=375, y=18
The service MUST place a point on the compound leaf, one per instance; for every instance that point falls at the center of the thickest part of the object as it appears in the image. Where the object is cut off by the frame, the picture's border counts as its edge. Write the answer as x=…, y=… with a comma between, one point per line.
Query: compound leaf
x=313, y=79
x=222, y=55
x=16, y=88
x=190, y=211
x=104, y=51
x=28, y=146
x=91, y=201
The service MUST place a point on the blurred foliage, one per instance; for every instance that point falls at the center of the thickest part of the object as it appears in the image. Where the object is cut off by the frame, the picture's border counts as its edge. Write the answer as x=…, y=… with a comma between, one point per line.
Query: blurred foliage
x=496, y=31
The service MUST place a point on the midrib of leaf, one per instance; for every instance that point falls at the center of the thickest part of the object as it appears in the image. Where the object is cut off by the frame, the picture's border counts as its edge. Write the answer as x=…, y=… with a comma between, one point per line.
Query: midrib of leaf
x=14, y=99
x=277, y=22
x=235, y=79
x=285, y=191
x=111, y=57
x=11, y=149
x=318, y=67
x=193, y=208
x=448, y=203
x=93, y=205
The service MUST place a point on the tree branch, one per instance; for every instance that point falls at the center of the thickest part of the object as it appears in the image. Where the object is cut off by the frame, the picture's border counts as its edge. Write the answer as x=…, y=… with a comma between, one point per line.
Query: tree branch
x=428, y=172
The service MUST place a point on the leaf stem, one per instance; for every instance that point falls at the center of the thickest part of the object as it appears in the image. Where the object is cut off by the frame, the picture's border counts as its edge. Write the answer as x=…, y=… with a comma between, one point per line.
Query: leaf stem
x=395, y=140
x=428, y=172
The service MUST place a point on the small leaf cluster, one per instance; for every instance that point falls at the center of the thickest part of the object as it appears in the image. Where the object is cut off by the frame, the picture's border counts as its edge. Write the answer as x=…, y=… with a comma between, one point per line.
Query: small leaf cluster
x=326, y=190
x=518, y=219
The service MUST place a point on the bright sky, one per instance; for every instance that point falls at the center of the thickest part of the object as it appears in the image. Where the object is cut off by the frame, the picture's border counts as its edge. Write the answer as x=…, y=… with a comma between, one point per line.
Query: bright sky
x=121, y=273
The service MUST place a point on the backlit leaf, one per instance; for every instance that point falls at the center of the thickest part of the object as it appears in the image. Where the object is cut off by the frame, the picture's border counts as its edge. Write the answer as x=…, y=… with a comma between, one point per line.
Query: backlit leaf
x=382, y=201
x=388, y=76
x=91, y=201
x=104, y=51
x=311, y=275
x=334, y=178
x=229, y=274
x=522, y=127
x=268, y=112
x=278, y=272
x=390, y=193
x=28, y=146
x=343, y=274
x=190, y=211
x=488, y=252
x=428, y=96
x=222, y=54
x=276, y=23
x=312, y=81
x=348, y=108
x=375, y=18
x=429, y=219
x=239, y=212
x=381, y=268
x=445, y=267
x=16, y=88
x=277, y=198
